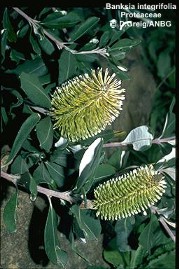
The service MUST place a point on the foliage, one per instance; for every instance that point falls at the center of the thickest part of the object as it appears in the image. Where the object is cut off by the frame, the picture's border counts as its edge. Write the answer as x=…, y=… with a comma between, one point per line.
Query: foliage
x=160, y=58
x=40, y=54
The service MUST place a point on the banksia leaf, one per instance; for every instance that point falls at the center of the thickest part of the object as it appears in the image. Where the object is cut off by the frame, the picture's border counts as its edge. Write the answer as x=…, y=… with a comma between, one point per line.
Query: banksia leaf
x=85, y=105
x=129, y=194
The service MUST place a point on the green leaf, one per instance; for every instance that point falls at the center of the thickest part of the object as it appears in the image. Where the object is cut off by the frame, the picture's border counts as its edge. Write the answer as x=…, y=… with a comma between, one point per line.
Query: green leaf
x=41, y=175
x=45, y=79
x=170, y=122
x=91, y=227
x=19, y=165
x=104, y=39
x=117, y=56
x=23, y=134
x=123, y=229
x=140, y=138
x=163, y=255
x=113, y=256
x=44, y=131
x=46, y=45
x=52, y=17
x=115, y=159
x=87, y=46
x=17, y=56
x=8, y=26
x=50, y=87
x=124, y=44
x=67, y=66
x=23, y=31
x=60, y=22
x=9, y=214
x=164, y=63
x=147, y=236
x=34, y=45
x=137, y=257
x=74, y=245
x=172, y=78
x=96, y=267
x=86, y=59
x=121, y=74
x=53, y=251
x=36, y=67
x=56, y=172
x=33, y=188
x=104, y=171
x=84, y=27
x=3, y=43
x=166, y=260
x=28, y=146
x=44, y=11
x=153, y=47
x=34, y=90
x=59, y=156
x=19, y=100
x=115, y=36
x=28, y=182
x=107, y=135
x=5, y=118
x=88, y=165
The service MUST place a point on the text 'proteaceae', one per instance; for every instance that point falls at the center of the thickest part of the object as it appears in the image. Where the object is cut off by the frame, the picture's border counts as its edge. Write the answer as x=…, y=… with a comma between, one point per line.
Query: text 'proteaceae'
x=129, y=194
x=85, y=105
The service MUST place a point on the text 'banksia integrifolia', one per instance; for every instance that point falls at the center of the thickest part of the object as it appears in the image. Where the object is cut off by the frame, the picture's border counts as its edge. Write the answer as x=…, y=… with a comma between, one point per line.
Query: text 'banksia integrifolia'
x=85, y=105
x=129, y=194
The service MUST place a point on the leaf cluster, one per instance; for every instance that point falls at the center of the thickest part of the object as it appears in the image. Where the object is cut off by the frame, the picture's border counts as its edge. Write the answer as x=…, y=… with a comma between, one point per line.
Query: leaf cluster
x=40, y=51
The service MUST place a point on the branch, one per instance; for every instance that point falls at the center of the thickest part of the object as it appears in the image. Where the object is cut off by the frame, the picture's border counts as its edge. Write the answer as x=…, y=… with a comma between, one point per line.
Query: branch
x=49, y=193
x=163, y=140
x=59, y=44
x=122, y=144
x=10, y=177
x=61, y=195
x=29, y=19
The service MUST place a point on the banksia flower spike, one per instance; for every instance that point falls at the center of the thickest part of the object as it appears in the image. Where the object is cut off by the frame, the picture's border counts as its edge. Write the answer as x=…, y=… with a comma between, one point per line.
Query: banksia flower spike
x=129, y=194
x=85, y=105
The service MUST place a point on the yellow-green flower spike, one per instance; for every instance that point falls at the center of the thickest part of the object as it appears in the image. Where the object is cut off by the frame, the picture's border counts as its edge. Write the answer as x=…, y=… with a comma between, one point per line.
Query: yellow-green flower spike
x=129, y=194
x=85, y=105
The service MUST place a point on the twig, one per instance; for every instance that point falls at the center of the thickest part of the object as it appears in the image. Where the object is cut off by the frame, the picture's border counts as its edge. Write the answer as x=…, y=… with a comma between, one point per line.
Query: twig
x=9, y=177
x=121, y=144
x=163, y=140
x=49, y=193
x=35, y=24
x=115, y=144
x=29, y=19
x=59, y=44
x=61, y=195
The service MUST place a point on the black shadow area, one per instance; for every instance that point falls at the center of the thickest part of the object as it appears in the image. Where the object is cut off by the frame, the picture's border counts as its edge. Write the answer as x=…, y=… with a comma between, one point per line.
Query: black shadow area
x=36, y=236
